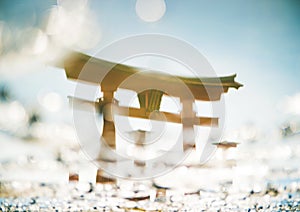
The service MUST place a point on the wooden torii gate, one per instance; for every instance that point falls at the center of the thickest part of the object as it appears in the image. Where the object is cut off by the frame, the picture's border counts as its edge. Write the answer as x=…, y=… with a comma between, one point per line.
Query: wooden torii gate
x=203, y=89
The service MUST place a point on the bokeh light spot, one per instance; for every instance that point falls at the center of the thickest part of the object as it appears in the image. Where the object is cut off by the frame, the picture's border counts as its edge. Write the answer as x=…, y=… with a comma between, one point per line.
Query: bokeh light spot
x=150, y=11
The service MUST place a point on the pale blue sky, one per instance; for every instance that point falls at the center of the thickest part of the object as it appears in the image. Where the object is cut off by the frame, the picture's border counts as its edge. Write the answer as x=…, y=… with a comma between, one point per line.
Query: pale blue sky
x=258, y=40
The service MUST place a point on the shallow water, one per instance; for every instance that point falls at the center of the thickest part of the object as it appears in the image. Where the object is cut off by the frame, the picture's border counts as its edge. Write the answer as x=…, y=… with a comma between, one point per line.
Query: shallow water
x=265, y=176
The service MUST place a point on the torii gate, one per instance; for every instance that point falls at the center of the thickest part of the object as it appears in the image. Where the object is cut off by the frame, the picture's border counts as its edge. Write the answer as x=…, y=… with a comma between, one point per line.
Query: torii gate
x=203, y=89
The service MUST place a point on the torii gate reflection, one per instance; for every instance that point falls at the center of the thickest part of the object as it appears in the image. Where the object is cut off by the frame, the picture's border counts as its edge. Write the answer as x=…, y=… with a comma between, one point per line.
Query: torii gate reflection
x=150, y=87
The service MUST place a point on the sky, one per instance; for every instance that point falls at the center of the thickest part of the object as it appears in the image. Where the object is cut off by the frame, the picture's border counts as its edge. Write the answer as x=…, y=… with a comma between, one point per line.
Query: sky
x=257, y=40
